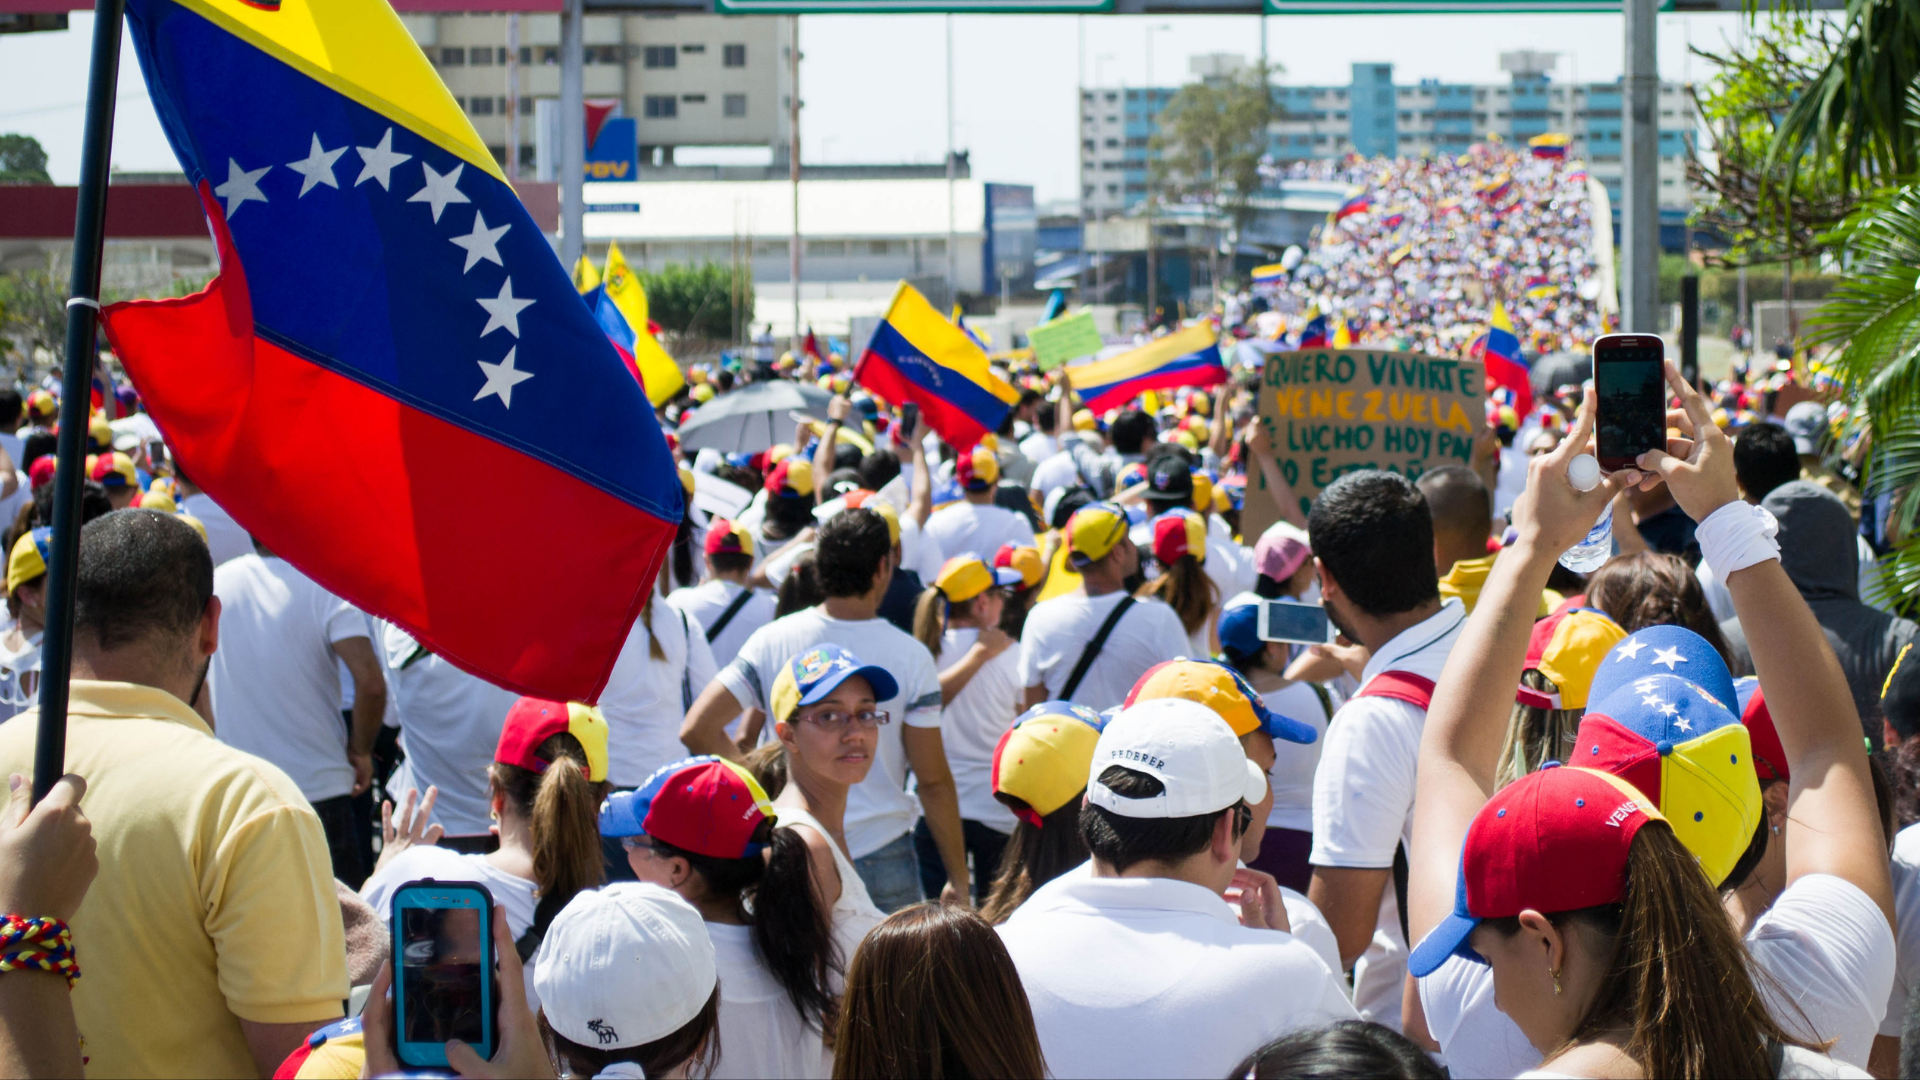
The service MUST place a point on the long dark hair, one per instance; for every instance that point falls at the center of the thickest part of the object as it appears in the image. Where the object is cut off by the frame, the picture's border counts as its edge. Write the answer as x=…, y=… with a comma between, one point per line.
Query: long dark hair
x=1535, y=734
x=1035, y=855
x=787, y=516
x=1650, y=588
x=696, y=1044
x=1187, y=590
x=683, y=572
x=776, y=897
x=933, y=993
x=800, y=589
x=562, y=808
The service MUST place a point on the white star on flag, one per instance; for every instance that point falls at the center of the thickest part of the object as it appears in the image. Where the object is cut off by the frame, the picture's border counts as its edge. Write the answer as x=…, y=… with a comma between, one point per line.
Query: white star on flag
x=241, y=186
x=1651, y=699
x=503, y=310
x=481, y=243
x=1668, y=657
x=1629, y=650
x=1683, y=724
x=317, y=166
x=502, y=378
x=380, y=161
x=1669, y=709
x=440, y=190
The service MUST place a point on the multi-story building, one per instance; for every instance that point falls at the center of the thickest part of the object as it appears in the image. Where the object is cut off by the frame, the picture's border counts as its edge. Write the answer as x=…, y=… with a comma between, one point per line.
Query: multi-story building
x=1373, y=116
x=688, y=80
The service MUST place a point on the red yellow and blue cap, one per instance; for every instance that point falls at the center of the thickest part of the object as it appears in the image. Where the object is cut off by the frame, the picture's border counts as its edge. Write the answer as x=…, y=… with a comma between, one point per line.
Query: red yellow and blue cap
x=1554, y=840
x=1221, y=689
x=1769, y=755
x=977, y=469
x=1568, y=647
x=115, y=470
x=1177, y=534
x=791, y=479
x=1022, y=559
x=1686, y=751
x=42, y=404
x=1664, y=650
x=28, y=559
x=1093, y=531
x=964, y=577
x=532, y=721
x=813, y=674
x=1041, y=763
x=728, y=538
x=706, y=805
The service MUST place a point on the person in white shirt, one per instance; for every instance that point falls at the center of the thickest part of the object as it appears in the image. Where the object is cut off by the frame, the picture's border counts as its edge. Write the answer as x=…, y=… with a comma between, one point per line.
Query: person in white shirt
x=1041, y=444
x=226, y=538
x=974, y=525
x=853, y=561
x=27, y=606
x=664, y=663
x=1060, y=632
x=276, y=691
x=724, y=604
x=448, y=720
x=1146, y=935
x=1372, y=539
x=958, y=619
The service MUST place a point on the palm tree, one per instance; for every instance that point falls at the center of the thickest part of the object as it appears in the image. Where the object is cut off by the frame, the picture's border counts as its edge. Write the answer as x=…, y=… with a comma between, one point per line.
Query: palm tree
x=1855, y=112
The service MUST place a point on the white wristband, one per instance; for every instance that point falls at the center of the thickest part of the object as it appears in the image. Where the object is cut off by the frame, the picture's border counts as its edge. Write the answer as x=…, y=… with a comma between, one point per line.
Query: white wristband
x=1737, y=536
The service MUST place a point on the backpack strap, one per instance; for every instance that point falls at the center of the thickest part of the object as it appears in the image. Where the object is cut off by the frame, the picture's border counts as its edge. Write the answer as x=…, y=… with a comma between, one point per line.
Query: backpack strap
x=1415, y=690
x=1092, y=650
x=726, y=616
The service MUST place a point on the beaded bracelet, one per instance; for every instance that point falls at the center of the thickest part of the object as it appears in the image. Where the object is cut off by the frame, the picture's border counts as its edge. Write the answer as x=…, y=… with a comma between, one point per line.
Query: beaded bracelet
x=37, y=945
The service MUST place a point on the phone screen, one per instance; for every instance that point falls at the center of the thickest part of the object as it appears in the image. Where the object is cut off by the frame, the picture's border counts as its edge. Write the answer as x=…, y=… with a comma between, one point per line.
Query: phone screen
x=442, y=963
x=1284, y=621
x=1629, y=376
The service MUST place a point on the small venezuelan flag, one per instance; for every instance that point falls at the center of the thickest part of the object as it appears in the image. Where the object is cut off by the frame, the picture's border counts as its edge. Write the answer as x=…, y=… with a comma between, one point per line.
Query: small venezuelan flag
x=1499, y=350
x=1357, y=203
x=1270, y=274
x=1189, y=357
x=1314, y=334
x=917, y=355
x=1552, y=145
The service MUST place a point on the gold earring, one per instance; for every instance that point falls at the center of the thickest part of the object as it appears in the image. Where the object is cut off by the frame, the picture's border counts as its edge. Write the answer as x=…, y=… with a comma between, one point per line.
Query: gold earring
x=1555, y=972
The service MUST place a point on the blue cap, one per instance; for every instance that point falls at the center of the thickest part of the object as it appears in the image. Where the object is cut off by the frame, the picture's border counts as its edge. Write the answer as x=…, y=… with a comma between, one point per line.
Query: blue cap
x=1665, y=650
x=1240, y=628
x=812, y=675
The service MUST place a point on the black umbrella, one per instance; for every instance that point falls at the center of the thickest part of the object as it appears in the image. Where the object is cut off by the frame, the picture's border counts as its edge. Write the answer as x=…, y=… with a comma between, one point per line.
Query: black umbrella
x=1559, y=369
x=753, y=417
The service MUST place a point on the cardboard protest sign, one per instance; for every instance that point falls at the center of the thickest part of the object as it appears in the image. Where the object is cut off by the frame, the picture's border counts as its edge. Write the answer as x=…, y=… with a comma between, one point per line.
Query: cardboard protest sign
x=1329, y=412
x=1067, y=338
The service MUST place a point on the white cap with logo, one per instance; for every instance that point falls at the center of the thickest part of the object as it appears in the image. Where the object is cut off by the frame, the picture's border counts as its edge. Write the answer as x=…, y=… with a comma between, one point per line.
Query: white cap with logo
x=623, y=966
x=1184, y=745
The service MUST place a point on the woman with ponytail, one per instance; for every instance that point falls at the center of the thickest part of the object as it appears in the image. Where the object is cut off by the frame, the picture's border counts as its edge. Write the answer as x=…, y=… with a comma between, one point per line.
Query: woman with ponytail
x=548, y=776
x=1180, y=547
x=1040, y=772
x=704, y=828
x=958, y=620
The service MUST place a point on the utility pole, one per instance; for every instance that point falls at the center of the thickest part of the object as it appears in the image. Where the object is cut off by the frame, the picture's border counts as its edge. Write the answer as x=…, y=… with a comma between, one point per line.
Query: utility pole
x=1640, y=173
x=1153, y=269
x=513, y=100
x=953, y=259
x=573, y=132
x=1080, y=104
x=793, y=173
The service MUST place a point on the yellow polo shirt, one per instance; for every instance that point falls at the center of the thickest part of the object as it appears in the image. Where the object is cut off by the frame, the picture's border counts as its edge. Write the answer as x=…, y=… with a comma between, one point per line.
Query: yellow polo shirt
x=215, y=897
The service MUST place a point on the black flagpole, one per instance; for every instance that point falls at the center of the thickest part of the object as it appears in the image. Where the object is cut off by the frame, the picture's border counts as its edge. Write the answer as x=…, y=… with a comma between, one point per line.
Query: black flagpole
x=83, y=309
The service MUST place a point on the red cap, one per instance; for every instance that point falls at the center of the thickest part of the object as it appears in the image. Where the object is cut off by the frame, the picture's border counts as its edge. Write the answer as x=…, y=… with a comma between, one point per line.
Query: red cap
x=532, y=721
x=40, y=473
x=728, y=538
x=1769, y=757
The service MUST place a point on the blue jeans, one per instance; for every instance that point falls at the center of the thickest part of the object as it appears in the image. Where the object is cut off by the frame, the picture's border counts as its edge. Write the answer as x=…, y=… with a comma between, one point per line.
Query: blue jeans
x=891, y=875
x=985, y=845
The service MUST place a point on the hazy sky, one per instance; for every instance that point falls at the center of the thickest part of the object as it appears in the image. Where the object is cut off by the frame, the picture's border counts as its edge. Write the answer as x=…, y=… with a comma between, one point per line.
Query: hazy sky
x=875, y=87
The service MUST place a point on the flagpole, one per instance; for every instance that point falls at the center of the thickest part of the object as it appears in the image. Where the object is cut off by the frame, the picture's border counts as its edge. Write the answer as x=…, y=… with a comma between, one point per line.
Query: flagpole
x=83, y=309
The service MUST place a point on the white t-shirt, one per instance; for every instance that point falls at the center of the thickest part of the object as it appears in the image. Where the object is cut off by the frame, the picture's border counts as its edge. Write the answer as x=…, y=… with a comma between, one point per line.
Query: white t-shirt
x=761, y=1033
x=275, y=691
x=1906, y=913
x=514, y=894
x=20, y=677
x=972, y=723
x=1795, y=1064
x=963, y=528
x=1294, y=763
x=708, y=601
x=1059, y=630
x=1038, y=447
x=226, y=539
x=449, y=726
x=919, y=552
x=1054, y=473
x=643, y=701
x=1236, y=572
x=879, y=810
x=1097, y=955
x=1823, y=942
x=1312, y=928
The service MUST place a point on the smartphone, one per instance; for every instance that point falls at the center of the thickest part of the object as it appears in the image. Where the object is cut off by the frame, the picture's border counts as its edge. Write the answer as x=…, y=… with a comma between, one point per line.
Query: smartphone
x=444, y=982
x=909, y=420
x=1283, y=620
x=1629, y=375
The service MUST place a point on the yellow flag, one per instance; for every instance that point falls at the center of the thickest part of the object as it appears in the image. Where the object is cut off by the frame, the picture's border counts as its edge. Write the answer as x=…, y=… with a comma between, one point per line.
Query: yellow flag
x=662, y=376
x=585, y=277
x=1342, y=334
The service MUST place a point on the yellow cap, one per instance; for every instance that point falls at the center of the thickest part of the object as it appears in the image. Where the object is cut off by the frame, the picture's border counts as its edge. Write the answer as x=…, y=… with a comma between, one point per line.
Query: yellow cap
x=702, y=393
x=1202, y=492
x=28, y=560
x=1083, y=420
x=867, y=500
x=964, y=577
x=1093, y=531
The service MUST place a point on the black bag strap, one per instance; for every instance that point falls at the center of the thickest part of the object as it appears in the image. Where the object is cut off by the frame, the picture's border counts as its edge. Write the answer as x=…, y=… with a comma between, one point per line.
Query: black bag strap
x=726, y=616
x=1401, y=872
x=1092, y=650
x=686, y=667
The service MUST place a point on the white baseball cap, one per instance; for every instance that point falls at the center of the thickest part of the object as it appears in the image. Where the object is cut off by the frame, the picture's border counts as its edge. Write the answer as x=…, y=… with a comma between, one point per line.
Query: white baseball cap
x=623, y=966
x=1184, y=745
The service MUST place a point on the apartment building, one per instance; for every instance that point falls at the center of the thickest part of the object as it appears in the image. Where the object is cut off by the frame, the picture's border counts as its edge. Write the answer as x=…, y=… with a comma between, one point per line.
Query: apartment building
x=686, y=79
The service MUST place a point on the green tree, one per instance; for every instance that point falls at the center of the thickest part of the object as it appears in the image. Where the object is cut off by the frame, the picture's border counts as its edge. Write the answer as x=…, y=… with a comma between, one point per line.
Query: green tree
x=697, y=301
x=1209, y=144
x=22, y=161
x=1853, y=115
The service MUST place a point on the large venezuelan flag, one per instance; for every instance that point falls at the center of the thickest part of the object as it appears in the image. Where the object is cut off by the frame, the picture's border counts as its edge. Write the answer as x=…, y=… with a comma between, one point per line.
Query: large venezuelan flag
x=1499, y=350
x=661, y=376
x=1189, y=357
x=389, y=327
x=917, y=355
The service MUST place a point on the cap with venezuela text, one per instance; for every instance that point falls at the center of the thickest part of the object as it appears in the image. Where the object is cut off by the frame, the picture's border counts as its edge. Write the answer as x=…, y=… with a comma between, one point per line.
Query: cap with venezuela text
x=706, y=805
x=1554, y=840
x=532, y=721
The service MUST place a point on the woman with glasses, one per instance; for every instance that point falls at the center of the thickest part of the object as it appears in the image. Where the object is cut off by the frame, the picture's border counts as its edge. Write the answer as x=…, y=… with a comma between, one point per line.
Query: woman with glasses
x=823, y=704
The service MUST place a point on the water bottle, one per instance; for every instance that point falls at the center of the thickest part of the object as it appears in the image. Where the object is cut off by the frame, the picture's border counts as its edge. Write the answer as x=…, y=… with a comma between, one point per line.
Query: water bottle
x=1591, y=553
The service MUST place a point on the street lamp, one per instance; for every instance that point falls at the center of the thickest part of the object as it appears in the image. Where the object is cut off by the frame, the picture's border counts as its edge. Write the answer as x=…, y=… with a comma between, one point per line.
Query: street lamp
x=1153, y=269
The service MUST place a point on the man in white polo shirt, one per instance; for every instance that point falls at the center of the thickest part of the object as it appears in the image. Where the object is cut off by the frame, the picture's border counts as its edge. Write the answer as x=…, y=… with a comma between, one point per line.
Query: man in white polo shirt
x=1136, y=965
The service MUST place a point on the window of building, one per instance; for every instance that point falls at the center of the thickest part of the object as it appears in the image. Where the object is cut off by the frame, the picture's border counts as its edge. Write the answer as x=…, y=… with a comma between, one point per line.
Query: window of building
x=694, y=99
x=1111, y=143
x=453, y=57
x=1087, y=192
x=734, y=105
x=549, y=54
x=693, y=48
x=526, y=54
x=1138, y=142
x=480, y=106
x=826, y=247
x=939, y=247
x=606, y=54
x=461, y=103
x=660, y=56
x=733, y=55
x=770, y=248
x=885, y=247
x=1112, y=96
x=661, y=107
x=1111, y=119
x=1113, y=189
